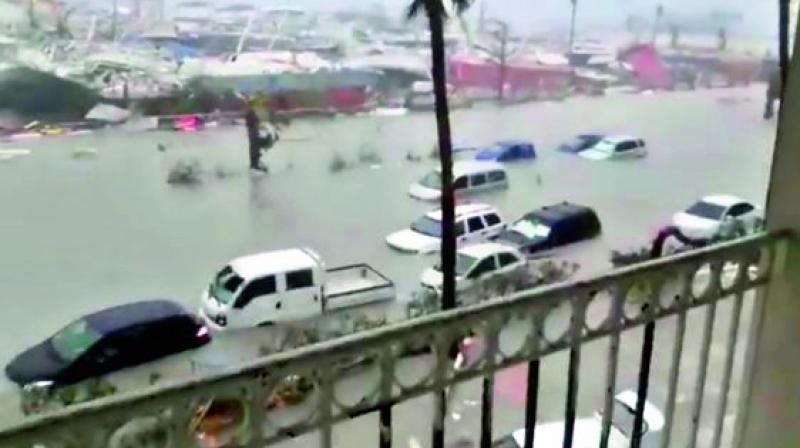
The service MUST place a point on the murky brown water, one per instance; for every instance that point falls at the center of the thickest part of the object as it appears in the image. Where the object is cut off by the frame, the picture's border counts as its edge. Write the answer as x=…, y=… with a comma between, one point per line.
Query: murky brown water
x=80, y=234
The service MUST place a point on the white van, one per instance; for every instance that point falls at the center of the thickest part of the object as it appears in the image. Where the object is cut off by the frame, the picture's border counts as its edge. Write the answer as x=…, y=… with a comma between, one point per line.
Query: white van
x=474, y=223
x=287, y=285
x=468, y=177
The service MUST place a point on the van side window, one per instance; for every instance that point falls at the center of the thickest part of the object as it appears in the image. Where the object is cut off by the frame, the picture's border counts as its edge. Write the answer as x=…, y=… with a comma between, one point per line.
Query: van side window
x=478, y=180
x=475, y=224
x=460, y=183
x=256, y=288
x=492, y=219
x=299, y=279
x=459, y=228
x=497, y=176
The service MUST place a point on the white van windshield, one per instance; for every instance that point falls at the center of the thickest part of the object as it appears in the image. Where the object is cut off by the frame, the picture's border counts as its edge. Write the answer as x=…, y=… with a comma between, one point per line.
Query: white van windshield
x=432, y=180
x=225, y=284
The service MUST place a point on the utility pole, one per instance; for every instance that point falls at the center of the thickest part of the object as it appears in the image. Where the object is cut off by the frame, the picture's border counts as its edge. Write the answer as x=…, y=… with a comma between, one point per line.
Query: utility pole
x=572, y=24
x=114, y=20
x=657, y=22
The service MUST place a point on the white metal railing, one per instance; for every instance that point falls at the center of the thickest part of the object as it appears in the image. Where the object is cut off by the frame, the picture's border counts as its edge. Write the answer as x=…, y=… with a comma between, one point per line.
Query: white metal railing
x=639, y=295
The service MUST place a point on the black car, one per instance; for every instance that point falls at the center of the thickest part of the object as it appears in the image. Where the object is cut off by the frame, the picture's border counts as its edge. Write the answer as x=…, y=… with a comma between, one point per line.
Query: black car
x=551, y=227
x=580, y=143
x=109, y=340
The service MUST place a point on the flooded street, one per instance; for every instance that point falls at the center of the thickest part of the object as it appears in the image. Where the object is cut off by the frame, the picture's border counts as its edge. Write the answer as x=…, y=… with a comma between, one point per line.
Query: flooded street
x=79, y=234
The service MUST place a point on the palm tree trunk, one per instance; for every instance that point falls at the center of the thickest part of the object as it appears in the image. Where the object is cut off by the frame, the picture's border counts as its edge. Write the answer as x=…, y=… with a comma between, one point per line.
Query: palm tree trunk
x=439, y=73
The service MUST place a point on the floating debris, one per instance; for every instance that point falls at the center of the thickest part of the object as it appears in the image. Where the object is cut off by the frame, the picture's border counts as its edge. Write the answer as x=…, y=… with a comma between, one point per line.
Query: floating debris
x=6, y=155
x=84, y=153
x=369, y=156
x=338, y=163
x=185, y=173
x=223, y=173
x=162, y=147
x=413, y=157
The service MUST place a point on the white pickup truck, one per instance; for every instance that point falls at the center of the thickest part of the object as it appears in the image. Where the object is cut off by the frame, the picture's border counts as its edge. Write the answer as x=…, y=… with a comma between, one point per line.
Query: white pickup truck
x=287, y=285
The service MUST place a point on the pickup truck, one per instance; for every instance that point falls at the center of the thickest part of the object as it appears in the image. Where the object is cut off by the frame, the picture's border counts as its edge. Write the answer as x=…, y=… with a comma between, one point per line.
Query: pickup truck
x=287, y=285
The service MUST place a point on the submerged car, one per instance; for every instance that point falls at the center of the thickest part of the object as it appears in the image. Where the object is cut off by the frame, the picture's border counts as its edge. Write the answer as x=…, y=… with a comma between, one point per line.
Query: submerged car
x=588, y=431
x=109, y=340
x=705, y=218
x=476, y=264
x=508, y=151
x=474, y=223
x=616, y=147
x=469, y=177
x=551, y=227
x=580, y=143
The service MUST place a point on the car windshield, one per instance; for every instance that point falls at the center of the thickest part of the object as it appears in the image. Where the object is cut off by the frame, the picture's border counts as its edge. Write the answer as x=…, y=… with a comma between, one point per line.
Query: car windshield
x=432, y=180
x=604, y=146
x=428, y=226
x=706, y=210
x=73, y=341
x=531, y=228
x=578, y=143
x=623, y=419
x=225, y=284
x=463, y=264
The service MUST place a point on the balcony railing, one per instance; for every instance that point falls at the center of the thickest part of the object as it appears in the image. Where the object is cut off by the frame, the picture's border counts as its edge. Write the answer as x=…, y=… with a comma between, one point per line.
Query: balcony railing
x=518, y=329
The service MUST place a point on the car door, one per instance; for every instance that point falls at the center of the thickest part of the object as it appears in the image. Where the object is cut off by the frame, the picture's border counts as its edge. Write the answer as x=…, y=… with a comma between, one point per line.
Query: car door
x=476, y=229
x=625, y=149
x=461, y=186
x=743, y=212
x=482, y=271
x=508, y=262
x=104, y=357
x=256, y=304
x=478, y=182
x=462, y=236
x=302, y=295
x=494, y=224
x=497, y=179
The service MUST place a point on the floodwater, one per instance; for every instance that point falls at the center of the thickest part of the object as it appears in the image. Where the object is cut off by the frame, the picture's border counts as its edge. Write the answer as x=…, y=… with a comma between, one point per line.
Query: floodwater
x=81, y=233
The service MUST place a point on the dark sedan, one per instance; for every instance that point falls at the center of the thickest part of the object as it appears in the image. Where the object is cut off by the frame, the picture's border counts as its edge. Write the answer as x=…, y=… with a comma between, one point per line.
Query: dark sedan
x=109, y=340
x=580, y=143
x=552, y=227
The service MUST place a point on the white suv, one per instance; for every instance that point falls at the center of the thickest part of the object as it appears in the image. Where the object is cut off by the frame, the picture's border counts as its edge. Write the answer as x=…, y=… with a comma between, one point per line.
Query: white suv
x=474, y=223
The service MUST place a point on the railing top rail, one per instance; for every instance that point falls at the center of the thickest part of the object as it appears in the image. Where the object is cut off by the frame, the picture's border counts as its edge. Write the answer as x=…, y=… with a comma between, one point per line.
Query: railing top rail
x=358, y=343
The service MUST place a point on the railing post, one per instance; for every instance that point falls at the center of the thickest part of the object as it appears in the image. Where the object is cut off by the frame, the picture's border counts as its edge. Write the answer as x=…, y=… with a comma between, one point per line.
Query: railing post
x=769, y=405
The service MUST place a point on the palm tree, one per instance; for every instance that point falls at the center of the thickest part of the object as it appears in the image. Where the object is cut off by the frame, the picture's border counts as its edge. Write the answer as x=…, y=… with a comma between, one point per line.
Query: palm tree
x=437, y=14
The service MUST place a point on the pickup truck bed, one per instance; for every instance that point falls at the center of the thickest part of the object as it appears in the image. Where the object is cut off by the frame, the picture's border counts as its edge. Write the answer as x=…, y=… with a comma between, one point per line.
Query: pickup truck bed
x=355, y=285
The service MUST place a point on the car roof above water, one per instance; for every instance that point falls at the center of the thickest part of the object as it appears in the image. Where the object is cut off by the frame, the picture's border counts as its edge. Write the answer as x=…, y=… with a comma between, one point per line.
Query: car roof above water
x=130, y=314
x=485, y=249
x=558, y=212
x=469, y=167
x=265, y=263
x=463, y=209
x=725, y=200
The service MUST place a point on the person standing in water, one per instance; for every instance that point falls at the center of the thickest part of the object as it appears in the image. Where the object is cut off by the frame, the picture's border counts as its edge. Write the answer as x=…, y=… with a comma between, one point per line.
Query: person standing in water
x=256, y=142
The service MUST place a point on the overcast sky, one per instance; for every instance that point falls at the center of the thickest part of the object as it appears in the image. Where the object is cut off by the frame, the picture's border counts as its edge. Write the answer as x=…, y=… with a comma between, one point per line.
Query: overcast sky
x=758, y=16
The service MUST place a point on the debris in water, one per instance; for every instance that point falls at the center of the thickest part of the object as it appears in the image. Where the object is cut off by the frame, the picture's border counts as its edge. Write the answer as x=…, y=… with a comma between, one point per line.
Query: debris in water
x=84, y=153
x=7, y=155
x=185, y=173
x=369, y=156
x=413, y=157
x=162, y=147
x=223, y=173
x=338, y=163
